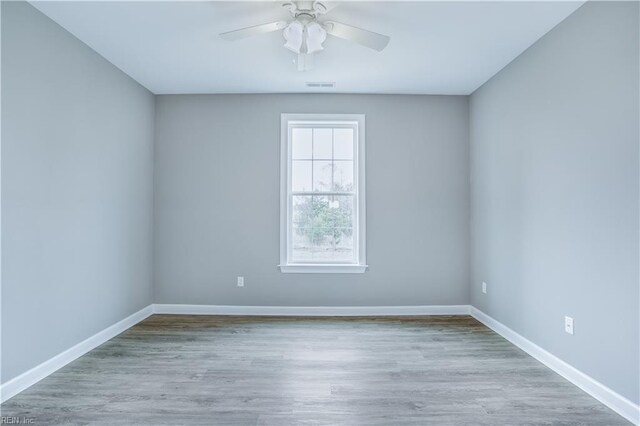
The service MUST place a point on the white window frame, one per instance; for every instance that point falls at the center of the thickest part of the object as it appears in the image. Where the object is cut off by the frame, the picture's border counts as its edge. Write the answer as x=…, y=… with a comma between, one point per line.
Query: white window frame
x=288, y=121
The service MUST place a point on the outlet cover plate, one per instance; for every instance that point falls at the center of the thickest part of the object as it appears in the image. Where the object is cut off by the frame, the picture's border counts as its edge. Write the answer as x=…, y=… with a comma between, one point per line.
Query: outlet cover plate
x=568, y=325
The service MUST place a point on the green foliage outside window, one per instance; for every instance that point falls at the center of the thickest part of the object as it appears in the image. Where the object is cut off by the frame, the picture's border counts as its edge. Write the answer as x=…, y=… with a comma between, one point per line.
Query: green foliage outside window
x=325, y=217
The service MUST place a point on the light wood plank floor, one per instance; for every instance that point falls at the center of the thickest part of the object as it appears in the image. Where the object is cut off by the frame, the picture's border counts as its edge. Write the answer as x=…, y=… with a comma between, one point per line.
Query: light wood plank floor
x=208, y=370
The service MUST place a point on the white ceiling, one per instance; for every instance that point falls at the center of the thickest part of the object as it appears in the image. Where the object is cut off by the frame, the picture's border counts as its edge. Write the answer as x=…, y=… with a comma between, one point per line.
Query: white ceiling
x=436, y=47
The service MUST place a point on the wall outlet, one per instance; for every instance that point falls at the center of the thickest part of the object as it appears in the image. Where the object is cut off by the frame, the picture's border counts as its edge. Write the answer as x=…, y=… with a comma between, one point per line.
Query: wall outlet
x=240, y=281
x=568, y=325
x=484, y=287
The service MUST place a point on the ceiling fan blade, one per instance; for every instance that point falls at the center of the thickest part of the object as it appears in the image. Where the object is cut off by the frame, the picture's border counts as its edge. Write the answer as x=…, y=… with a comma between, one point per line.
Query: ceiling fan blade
x=255, y=30
x=366, y=38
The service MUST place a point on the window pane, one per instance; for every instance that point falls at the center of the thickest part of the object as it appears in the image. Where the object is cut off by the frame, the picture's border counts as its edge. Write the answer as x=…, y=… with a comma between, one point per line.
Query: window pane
x=322, y=228
x=320, y=214
x=340, y=211
x=332, y=245
x=343, y=176
x=342, y=245
x=302, y=245
x=322, y=172
x=302, y=213
x=322, y=141
x=343, y=144
x=321, y=244
x=310, y=217
x=301, y=175
x=301, y=144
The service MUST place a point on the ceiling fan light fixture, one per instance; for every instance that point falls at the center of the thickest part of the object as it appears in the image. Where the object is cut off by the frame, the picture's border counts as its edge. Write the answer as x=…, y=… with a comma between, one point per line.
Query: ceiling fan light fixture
x=305, y=33
x=316, y=35
x=294, y=34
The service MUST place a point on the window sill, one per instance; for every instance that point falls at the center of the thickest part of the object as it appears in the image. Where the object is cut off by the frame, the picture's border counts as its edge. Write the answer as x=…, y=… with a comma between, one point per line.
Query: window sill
x=322, y=269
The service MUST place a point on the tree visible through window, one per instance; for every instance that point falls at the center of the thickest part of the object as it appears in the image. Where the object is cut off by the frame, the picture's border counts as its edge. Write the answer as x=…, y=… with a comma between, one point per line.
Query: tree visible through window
x=322, y=192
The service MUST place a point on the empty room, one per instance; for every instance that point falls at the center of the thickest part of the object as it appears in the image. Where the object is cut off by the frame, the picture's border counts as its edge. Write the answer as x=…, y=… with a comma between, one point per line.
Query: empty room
x=320, y=213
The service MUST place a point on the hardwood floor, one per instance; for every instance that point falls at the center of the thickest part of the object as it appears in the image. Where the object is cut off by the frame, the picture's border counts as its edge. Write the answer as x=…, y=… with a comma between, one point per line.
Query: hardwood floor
x=212, y=370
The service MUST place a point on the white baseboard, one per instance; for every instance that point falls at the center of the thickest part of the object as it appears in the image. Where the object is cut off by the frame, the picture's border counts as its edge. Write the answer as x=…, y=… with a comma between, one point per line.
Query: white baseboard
x=311, y=310
x=602, y=393
x=39, y=372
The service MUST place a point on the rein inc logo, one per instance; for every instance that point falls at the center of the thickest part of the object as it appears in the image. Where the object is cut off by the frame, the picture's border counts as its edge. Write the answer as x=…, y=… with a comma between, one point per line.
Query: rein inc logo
x=16, y=420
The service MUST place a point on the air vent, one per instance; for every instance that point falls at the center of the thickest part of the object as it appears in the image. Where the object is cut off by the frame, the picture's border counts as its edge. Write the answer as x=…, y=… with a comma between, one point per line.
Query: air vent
x=321, y=84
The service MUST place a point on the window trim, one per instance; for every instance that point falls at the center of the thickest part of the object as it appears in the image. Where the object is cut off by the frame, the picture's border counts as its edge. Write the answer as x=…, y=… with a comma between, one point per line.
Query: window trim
x=285, y=195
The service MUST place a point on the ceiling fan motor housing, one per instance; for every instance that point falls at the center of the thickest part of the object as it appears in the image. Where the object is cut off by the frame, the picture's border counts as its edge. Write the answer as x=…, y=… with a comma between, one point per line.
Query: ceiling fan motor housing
x=309, y=8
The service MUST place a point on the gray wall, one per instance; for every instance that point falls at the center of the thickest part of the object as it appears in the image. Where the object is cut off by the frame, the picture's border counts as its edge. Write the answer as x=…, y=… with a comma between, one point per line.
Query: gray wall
x=77, y=145
x=217, y=169
x=554, y=159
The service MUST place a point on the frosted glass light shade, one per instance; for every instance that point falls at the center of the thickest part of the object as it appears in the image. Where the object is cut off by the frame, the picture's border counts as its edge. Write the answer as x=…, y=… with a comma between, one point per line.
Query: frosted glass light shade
x=293, y=34
x=316, y=35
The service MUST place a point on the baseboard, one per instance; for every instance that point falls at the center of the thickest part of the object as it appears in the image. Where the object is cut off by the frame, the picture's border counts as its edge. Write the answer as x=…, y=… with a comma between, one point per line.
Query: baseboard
x=39, y=372
x=602, y=393
x=311, y=310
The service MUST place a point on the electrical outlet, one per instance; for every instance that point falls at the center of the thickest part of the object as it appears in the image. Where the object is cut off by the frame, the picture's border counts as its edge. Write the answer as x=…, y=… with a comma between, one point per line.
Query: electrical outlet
x=484, y=287
x=240, y=281
x=568, y=325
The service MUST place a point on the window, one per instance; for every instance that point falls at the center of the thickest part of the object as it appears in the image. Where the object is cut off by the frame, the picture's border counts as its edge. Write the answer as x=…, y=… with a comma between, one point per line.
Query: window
x=322, y=207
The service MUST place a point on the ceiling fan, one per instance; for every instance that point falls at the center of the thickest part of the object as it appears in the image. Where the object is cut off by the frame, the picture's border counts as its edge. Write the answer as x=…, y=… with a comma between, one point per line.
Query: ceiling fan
x=305, y=33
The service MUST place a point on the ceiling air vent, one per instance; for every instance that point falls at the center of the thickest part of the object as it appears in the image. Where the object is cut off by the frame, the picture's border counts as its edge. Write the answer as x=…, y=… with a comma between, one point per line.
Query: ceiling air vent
x=321, y=84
